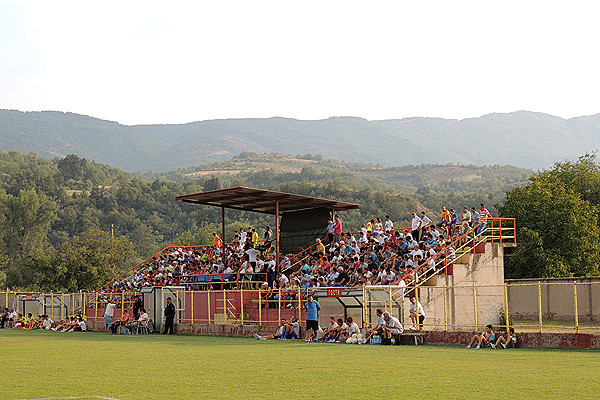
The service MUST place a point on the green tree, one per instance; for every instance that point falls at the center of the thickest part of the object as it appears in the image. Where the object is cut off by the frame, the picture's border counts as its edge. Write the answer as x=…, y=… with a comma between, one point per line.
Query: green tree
x=27, y=219
x=560, y=226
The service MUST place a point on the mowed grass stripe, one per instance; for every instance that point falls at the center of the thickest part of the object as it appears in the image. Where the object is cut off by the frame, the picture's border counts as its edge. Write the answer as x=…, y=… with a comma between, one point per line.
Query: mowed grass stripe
x=40, y=364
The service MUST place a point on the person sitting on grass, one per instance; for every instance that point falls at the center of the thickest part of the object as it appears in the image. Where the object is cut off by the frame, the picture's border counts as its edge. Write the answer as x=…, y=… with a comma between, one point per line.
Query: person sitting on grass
x=277, y=335
x=378, y=330
x=80, y=325
x=350, y=330
x=336, y=333
x=392, y=326
x=66, y=325
x=332, y=325
x=486, y=338
x=510, y=342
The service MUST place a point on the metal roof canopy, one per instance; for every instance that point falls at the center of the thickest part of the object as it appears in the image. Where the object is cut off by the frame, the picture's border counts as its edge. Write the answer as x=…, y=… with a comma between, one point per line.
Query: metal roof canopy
x=263, y=201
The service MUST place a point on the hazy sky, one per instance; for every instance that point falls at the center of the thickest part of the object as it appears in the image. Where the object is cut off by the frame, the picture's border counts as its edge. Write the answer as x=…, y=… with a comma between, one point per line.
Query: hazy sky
x=156, y=62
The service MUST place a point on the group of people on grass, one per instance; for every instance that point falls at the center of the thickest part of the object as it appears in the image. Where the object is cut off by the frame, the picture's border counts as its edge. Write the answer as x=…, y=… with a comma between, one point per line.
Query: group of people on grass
x=15, y=319
x=488, y=339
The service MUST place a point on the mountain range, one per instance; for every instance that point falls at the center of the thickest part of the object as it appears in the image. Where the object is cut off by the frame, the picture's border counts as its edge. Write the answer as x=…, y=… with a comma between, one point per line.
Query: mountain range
x=525, y=139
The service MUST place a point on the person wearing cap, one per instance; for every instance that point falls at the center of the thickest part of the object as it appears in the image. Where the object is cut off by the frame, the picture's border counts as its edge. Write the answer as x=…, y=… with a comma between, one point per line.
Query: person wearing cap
x=169, y=317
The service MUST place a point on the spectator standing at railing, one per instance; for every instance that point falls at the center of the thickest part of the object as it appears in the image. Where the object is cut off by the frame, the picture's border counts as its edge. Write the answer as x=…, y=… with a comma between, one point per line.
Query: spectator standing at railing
x=474, y=216
x=425, y=223
x=330, y=229
x=453, y=222
x=415, y=226
x=484, y=214
x=466, y=219
x=243, y=236
x=254, y=236
x=217, y=242
x=337, y=229
x=389, y=225
x=320, y=248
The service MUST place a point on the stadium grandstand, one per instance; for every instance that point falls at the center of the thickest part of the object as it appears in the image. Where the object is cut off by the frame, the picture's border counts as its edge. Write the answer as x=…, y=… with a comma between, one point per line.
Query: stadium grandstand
x=249, y=281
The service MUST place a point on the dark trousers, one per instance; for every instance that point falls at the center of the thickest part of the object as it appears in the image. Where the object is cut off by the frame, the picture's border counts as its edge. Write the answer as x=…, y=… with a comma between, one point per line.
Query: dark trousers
x=415, y=235
x=4, y=319
x=168, y=325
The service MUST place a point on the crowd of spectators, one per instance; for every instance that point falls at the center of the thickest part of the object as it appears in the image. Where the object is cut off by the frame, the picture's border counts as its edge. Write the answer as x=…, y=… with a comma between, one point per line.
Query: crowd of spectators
x=379, y=254
x=42, y=321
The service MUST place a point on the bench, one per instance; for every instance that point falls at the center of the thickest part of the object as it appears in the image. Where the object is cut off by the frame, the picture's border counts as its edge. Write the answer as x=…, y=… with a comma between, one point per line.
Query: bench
x=410, y=336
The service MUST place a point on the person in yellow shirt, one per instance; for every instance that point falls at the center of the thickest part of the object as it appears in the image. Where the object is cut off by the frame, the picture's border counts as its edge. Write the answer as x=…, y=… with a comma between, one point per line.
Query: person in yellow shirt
x=445, y=219
x=254, y=236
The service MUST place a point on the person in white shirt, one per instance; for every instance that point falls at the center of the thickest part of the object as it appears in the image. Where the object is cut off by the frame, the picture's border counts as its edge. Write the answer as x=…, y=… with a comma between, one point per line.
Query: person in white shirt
x=393, y=326
x=389, y=225
x=415, y=225
x=378, y=330
x=350, y=330
x=108, y=313
x=417, y=314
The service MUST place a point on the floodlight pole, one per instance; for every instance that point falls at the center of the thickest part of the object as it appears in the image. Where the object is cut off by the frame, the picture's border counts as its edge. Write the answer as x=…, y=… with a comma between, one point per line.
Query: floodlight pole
x=277, y=233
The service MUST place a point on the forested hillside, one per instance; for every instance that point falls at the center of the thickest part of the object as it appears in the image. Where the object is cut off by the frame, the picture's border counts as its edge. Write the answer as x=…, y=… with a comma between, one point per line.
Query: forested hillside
x=525, y=139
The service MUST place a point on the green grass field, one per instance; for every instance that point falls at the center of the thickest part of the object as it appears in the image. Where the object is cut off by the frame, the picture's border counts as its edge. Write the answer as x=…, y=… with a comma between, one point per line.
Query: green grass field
x=51, y=365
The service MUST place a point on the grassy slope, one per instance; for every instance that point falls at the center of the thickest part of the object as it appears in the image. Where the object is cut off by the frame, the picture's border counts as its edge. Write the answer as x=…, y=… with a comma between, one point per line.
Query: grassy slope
x=45, y=364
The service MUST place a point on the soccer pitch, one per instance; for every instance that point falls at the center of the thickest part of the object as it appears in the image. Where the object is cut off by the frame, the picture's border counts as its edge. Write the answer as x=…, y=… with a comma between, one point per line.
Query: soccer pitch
x=94, y=365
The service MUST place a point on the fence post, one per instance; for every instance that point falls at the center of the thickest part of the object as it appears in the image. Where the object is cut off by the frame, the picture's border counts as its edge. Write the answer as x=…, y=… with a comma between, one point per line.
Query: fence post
x=259, y=307
x=192, y=316
x=242, y=305
x=279, y=306
x=575, y=301
x=475, y=306
x=52, y=305
x=208, y=301
x=96, y=308
x=390, y=299
x=62, y=305
x=178, y=306
x=506, y=314
x=299, y=306
x=445, y=310
x=540, y=305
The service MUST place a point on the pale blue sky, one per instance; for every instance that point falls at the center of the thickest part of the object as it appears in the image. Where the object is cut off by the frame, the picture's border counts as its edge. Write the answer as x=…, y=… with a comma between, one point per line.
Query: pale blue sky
x=155, y=62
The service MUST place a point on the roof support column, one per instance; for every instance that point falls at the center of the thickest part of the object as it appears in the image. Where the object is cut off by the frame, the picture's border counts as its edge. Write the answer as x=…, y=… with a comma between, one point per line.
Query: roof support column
x=277, y=233
x=223, y=234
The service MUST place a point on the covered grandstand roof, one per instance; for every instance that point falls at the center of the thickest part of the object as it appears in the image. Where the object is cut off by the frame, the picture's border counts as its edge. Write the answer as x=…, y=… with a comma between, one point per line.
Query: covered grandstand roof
x=264, y=201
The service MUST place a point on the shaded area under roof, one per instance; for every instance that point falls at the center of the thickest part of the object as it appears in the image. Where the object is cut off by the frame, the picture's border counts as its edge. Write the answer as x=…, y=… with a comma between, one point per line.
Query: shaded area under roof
x=263, y=201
